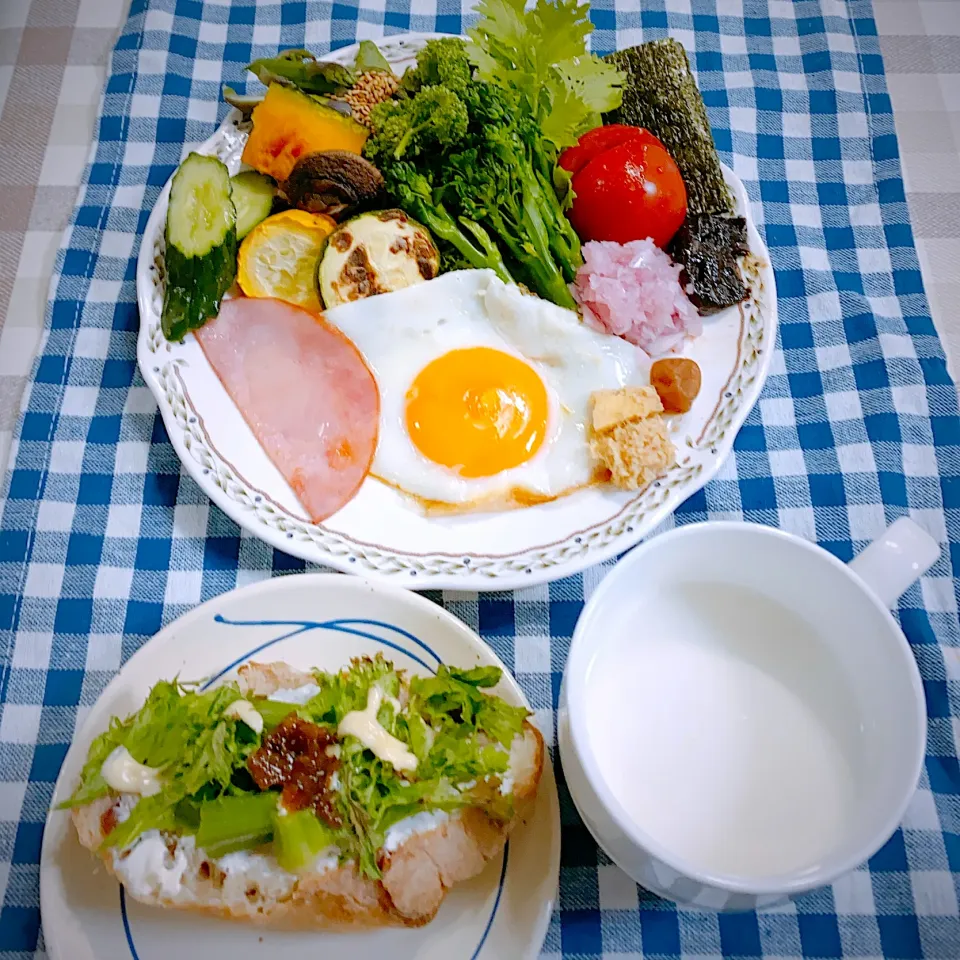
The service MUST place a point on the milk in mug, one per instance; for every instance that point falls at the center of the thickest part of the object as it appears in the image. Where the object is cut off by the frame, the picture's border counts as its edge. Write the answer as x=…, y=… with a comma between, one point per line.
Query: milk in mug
x=726, y=731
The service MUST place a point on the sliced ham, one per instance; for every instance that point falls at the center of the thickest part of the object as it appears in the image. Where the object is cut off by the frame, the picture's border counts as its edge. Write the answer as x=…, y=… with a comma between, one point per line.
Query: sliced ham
x=305, y=392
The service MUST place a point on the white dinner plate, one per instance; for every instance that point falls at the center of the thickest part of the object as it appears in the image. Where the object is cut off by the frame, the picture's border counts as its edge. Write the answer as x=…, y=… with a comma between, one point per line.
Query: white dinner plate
x=309, y=620
x=380, y=533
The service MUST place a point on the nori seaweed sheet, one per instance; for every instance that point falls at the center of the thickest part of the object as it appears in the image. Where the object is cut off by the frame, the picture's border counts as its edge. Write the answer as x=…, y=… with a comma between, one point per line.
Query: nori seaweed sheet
x=661, y=95
x=708, y=248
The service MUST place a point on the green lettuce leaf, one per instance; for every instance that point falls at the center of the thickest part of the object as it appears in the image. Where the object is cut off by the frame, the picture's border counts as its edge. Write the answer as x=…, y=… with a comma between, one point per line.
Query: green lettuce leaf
x=376, y=797
x=478, y=676
x=459, y=734
x=414, y=731
x=92, y=786
x=449, y=701
x=370, y=58
x=301, y=69
x=341, y=693
x=150, y=735
x=541, y=53
x=150, y=813
x=183, y=734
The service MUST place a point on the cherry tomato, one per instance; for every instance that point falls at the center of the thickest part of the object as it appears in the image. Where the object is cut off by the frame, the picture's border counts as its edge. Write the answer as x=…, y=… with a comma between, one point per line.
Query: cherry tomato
x=594, y=142
x=627, y=187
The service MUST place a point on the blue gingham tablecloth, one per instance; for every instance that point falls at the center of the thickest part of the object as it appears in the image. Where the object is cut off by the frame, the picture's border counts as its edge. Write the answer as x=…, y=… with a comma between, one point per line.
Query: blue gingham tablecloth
x=103, y=539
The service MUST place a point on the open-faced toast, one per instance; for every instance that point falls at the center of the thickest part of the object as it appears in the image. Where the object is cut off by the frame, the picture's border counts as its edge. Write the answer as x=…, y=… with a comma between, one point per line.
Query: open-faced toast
x=465, y=782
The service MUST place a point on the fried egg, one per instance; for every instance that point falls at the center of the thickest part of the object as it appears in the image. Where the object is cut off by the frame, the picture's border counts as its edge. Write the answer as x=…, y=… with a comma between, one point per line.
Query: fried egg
x=484, y=390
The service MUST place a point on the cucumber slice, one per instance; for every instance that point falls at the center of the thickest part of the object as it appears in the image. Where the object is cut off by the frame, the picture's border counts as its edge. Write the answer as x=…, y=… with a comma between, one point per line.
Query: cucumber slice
x=201, y=245
x=253, y=195
x=201, y=211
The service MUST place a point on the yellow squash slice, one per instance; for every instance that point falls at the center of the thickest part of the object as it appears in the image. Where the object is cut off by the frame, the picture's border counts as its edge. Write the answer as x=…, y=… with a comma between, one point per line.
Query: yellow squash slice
x=279, y=257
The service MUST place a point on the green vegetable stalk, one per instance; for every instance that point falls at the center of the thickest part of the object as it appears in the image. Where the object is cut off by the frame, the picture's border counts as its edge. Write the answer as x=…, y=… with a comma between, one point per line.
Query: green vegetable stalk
x=235, y=823
x=465, y=159
x=298, y=838
x=415, y=194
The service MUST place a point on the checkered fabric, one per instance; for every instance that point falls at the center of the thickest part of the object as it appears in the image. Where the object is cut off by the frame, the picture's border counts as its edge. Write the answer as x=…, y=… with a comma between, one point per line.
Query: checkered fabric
x=103, y=539
x=921, y=53
x=53, y=60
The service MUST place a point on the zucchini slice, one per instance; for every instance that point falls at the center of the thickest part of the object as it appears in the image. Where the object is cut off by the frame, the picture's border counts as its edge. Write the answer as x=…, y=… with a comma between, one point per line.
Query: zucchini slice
x=201, y=245
x=253, y=195
x=376, y=252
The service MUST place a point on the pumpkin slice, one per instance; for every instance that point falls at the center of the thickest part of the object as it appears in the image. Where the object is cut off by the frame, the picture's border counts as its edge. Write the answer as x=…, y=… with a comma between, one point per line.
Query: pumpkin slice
x=288, y=124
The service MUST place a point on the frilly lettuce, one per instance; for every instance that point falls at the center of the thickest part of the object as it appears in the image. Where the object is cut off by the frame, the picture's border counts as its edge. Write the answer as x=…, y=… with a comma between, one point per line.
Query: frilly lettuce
x=460, y=735
x=184, y=735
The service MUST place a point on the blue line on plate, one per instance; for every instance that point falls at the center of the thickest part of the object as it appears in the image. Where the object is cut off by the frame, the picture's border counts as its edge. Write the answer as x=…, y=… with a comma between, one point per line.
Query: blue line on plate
x=339, y=626
x=387, y=643
x=126, y=924
x=256, y=650
x=395, y=629
x=496, y=902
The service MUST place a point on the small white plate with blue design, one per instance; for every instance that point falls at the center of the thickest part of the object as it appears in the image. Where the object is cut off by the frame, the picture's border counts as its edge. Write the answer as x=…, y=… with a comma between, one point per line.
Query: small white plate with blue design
x=310, y=620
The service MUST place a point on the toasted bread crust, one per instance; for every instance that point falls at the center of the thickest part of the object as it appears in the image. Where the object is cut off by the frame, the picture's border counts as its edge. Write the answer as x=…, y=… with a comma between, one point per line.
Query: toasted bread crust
x=415, y=877
x=263, y=679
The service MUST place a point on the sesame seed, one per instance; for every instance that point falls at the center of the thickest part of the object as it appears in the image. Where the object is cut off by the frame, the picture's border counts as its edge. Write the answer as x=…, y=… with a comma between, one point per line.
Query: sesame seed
x=371, y=88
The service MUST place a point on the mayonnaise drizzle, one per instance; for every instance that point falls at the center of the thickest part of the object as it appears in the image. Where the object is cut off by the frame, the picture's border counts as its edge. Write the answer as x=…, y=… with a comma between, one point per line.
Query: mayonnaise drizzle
x=363, y=725
x=247, y=713
x=123, y=774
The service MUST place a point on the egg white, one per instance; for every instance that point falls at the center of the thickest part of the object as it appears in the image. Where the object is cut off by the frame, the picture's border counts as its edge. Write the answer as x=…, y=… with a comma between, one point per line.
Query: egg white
x=400, y=333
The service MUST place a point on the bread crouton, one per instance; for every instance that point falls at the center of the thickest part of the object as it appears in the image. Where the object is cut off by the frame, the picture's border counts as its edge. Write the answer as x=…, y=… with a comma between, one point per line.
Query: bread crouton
x=630, y=438
x=613, y=407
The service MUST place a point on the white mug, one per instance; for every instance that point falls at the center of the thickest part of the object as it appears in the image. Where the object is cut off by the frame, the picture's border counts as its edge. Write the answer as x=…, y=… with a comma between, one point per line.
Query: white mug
x=741, y=718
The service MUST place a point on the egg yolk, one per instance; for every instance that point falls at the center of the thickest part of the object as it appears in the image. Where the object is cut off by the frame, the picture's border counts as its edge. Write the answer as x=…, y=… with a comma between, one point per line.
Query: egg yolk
x=478, y=411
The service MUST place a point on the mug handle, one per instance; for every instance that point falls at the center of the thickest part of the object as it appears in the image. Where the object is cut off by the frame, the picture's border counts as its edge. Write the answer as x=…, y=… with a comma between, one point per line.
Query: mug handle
x=897, y=558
